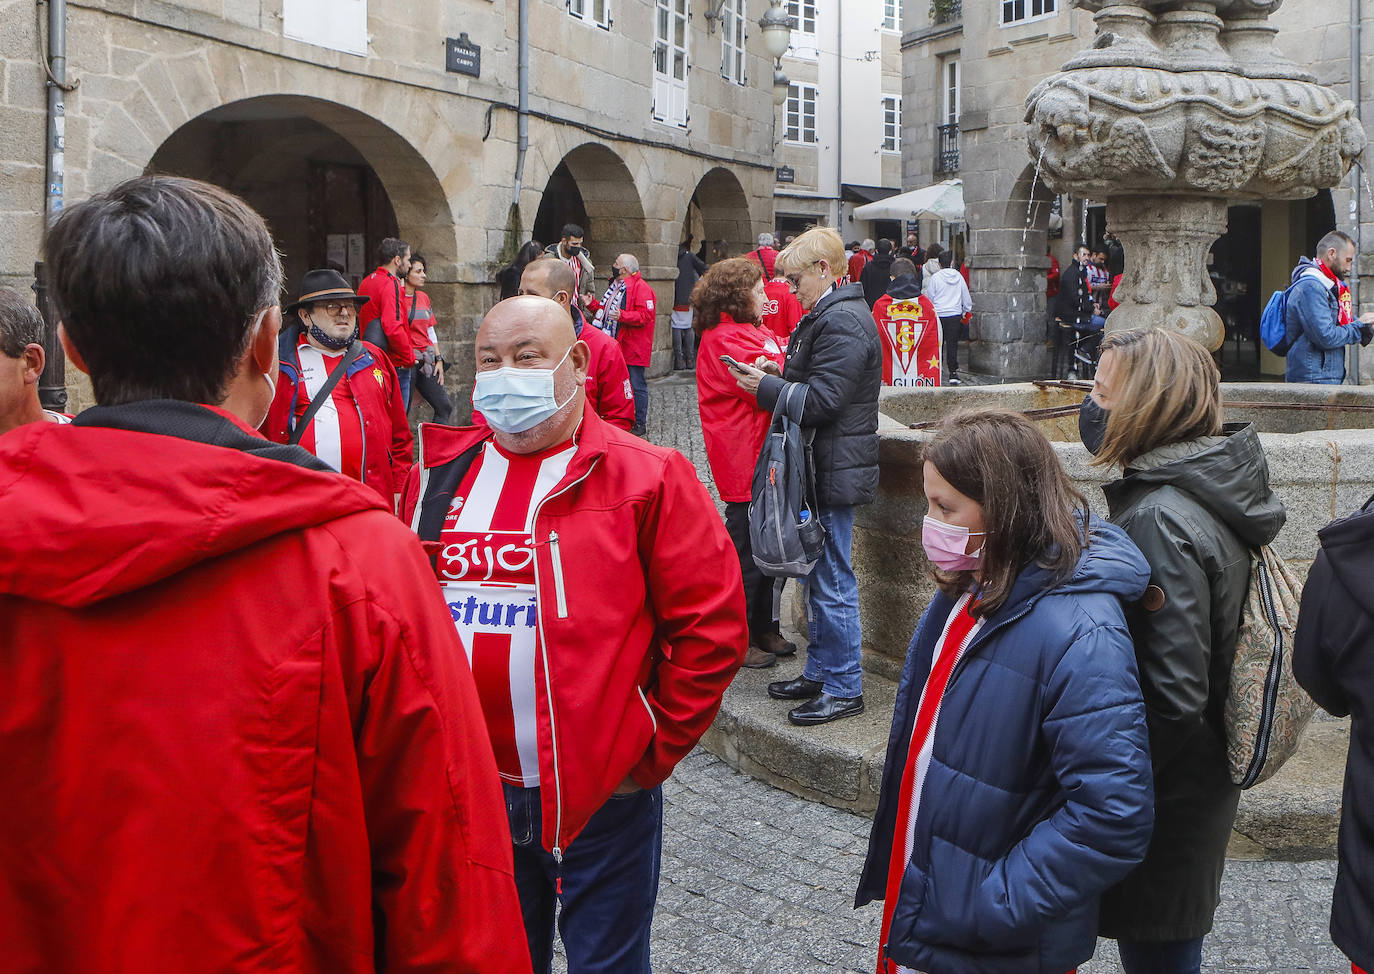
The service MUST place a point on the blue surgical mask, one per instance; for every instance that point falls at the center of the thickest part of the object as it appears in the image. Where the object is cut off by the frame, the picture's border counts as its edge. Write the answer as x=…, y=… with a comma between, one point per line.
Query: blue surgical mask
x=515, y=400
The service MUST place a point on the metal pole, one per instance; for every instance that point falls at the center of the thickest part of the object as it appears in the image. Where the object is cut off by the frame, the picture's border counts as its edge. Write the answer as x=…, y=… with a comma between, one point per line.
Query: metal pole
x=522, y=144
x=1352, y=374
x=52, y=386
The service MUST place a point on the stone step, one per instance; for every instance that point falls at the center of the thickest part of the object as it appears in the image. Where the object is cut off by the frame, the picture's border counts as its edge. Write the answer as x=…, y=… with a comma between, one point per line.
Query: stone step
x=1293, y=815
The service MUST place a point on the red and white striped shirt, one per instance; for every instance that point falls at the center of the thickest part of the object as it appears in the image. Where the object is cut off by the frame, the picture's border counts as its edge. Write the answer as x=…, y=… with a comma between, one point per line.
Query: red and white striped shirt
x=486, y=568
x=336, y=433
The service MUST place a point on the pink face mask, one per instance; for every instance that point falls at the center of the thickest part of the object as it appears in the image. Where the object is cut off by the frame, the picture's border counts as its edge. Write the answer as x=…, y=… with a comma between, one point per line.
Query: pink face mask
x=945, y=546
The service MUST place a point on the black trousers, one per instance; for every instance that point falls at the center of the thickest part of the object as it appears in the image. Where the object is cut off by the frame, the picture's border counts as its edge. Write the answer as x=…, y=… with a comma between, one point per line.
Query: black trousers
x=953, y=329
x=758, y=587
x=435, y=394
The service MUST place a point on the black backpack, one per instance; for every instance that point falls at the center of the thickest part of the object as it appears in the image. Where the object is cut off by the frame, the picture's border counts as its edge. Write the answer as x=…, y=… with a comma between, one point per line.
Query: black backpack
x=785, y=530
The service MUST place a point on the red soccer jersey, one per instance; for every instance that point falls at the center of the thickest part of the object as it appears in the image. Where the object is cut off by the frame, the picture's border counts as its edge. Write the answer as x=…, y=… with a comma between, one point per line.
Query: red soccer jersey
x=486, y=568
x=336, y=433
x=910, y=333
x=783, y=310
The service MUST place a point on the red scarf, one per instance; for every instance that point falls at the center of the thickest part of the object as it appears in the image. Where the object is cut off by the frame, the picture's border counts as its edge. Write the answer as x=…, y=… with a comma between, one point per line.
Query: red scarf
x=1347, y=312
x=948, y=654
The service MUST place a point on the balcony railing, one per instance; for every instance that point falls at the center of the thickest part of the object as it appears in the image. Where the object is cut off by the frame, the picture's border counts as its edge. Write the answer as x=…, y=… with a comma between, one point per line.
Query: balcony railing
x=947, y=148
x=946, y=11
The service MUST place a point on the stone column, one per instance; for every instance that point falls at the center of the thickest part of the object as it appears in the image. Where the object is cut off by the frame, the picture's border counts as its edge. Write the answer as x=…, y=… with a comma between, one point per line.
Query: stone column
x=1166, y=284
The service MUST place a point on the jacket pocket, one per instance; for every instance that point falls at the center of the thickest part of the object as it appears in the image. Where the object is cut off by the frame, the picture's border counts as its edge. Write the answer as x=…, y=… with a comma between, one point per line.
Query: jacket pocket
x=559, y=591
x=653, y=721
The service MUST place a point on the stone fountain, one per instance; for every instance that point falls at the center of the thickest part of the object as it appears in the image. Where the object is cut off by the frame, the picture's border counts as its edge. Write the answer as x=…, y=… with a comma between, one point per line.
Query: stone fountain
x=1179, y=107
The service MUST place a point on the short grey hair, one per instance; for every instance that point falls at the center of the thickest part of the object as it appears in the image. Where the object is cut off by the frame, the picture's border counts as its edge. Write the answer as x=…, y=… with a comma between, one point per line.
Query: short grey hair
x=765, y=240
x=1336, y=240
x=868, y=243
x=631, y=263
x=21, y=324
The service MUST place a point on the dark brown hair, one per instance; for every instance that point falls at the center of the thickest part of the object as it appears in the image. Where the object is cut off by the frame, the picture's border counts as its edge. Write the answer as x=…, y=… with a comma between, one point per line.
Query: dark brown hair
x=724, y=289
x=158, y=282
x=1031, y=511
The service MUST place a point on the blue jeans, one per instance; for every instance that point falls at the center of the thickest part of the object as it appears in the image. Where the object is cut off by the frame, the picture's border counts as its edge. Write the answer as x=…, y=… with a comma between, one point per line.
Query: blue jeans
x=641, y=391
x=1166, y=957
x=607, y=884
x=403, y=376
x=834, y=657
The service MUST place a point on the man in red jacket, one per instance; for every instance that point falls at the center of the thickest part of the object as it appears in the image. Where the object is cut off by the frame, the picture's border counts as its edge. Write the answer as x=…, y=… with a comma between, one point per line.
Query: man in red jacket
x=602, y=605
x=359, y=427
x=608, y=380
x=627, y=313
x=238, y=732
x=384, y=323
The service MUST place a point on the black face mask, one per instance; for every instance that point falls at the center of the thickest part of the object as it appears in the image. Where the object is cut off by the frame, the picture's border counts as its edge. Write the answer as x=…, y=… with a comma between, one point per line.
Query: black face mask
x=574, y=251
x=317, y=333
x=1092, y=424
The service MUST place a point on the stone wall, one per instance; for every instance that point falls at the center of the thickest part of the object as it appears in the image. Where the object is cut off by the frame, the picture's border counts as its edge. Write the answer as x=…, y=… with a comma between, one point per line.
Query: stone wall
x=443, y=145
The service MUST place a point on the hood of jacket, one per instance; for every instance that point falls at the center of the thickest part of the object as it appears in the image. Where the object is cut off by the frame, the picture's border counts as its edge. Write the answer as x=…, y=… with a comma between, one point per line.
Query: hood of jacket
x=1308, y=267
x=1227, y=474
x=945, y=274
x=127, y=496
x=1111, y=564
x=906, y=286
x=1349, y=547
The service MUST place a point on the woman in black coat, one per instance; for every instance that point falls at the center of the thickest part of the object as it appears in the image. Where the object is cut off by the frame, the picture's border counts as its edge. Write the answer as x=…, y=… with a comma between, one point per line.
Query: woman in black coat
x=1333, y=659
x=1195, y=499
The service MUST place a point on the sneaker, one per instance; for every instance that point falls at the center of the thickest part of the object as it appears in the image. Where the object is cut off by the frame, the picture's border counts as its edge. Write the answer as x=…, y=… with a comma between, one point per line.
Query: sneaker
x=757, y=659
x=953, y=381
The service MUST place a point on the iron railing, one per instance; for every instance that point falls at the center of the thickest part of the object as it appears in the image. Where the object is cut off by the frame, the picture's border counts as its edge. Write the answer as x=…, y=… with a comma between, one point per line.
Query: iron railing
x=947, y=148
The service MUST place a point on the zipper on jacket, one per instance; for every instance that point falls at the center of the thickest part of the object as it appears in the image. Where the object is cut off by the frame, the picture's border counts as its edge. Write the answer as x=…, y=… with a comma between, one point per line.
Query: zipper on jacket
x=556, y=557
x=645, y=700
x=362, y=428
x=557, y=849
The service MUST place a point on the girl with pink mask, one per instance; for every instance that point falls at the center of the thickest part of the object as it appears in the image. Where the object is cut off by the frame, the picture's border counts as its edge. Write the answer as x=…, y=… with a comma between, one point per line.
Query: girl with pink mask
x=1017, y=785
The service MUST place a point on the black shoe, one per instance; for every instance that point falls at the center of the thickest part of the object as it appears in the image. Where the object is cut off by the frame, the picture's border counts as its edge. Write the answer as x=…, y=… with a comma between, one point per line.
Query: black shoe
x=826, y=708
x=639, y=431
x=799, y=689
x=774, y=643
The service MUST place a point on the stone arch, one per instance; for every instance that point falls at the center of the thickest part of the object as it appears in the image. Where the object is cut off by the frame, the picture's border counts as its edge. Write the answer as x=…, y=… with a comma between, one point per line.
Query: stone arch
x=592, y=185
x=1028, y=211
x=294, y=156
x=723, y=209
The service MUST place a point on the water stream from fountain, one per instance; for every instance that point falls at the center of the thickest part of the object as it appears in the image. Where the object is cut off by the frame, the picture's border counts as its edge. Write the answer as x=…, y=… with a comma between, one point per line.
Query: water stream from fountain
x=1030, y=208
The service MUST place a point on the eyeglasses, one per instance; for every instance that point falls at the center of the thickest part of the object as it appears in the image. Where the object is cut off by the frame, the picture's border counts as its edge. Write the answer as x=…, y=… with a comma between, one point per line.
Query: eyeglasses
x=338, y=307
x=794, y=280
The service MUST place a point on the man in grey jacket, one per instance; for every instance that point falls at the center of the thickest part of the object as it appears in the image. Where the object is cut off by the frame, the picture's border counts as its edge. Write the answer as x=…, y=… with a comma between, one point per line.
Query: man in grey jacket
x=836, y=354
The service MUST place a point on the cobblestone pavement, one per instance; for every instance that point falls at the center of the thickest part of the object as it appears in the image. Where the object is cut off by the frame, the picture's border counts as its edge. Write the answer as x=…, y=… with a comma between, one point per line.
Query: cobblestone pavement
x=755, y=879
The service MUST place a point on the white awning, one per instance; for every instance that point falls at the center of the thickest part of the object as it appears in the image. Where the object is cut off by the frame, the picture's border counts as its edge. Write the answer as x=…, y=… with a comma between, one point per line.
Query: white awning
x=943, y=201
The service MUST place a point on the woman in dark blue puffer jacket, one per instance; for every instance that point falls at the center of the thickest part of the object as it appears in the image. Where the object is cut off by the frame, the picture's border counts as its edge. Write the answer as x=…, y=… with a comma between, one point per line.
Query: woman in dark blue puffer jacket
x=1017, y=785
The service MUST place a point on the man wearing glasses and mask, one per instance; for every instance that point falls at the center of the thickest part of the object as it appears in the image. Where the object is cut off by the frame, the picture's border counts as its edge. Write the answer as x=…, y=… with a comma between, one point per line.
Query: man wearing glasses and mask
x=336, y=395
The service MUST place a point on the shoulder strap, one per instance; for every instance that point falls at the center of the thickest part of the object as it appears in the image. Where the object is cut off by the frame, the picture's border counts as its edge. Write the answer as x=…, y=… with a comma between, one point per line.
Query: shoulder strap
x=355, y=349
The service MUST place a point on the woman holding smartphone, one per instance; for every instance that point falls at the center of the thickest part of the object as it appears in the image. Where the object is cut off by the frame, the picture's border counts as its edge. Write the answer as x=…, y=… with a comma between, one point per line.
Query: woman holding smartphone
x=1017, y=781
x=727, y=315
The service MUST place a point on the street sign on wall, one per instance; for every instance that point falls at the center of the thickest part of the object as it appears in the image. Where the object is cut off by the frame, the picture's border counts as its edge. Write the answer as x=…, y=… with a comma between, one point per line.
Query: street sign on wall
x=463, y=56
x=786, y=174
x=340, y=25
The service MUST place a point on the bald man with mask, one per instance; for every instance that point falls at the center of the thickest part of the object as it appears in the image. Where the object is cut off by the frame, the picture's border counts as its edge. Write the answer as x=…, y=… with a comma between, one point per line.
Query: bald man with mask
x=603, y=612
x=608, y=380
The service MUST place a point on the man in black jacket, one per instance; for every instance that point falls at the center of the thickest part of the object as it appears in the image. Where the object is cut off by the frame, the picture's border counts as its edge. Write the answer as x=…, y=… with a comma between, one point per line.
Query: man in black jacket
x=1333, y=659
x=836, y=355
x=690, y=267
x=877, y=274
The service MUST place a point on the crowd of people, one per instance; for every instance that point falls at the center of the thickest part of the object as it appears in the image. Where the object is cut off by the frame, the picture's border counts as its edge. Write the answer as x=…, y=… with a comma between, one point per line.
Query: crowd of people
x=290, y=691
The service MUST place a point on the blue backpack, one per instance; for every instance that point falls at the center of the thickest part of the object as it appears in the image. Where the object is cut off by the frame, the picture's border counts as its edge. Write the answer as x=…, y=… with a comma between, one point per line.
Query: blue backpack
x=1274, y=323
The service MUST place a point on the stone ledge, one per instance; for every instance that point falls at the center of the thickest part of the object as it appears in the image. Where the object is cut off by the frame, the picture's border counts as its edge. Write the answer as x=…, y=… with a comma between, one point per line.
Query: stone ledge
x=1292, y=816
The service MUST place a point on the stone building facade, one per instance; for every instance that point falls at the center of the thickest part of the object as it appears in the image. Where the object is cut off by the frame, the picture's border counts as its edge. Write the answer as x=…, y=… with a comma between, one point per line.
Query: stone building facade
x=973, y=64
x=338, y=150
x=840, y=132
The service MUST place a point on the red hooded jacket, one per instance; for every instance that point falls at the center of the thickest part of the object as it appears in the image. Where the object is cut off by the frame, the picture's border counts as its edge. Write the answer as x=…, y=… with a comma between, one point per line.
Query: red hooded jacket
x=641, y=610
x=238, y=732
x=388, y=448
x=731, y=421
x=637, y=318
x=390, y=304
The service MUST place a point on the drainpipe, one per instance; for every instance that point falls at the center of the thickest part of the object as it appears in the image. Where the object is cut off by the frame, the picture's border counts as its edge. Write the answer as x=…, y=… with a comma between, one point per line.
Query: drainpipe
x=839, y=124
x=1356, y=180
x=52, y=385
x=522, y=145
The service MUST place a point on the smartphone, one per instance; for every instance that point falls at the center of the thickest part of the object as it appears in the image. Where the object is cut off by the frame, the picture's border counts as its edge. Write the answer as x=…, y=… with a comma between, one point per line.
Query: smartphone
x=733, y=364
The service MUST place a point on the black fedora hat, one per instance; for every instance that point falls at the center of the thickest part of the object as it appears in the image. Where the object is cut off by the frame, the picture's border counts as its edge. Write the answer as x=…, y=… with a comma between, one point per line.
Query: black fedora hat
x=324, y=285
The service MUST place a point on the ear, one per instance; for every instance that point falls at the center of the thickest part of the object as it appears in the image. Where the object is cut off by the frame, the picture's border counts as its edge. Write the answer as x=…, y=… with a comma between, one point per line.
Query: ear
x=581, y=360
x=73, y=355
x=34, y=360
x=263, y=347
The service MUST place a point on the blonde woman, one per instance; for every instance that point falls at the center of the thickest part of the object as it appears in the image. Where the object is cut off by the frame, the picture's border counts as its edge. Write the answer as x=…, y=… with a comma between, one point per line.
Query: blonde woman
x=1194, y=496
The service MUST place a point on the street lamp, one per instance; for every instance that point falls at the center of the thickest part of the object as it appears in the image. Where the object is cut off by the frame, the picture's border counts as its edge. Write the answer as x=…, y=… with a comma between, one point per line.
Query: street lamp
x=777, y=30
x=781, y=85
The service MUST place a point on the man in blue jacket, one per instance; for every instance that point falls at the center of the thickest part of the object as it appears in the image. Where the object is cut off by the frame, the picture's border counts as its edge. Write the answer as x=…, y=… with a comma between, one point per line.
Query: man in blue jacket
x=1319, y=318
